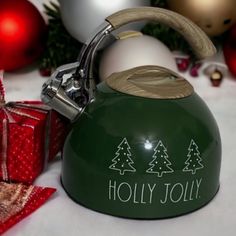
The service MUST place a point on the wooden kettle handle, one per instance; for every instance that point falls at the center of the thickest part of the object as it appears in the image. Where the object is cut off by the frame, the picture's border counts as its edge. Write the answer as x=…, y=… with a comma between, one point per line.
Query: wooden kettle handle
x=201, y=44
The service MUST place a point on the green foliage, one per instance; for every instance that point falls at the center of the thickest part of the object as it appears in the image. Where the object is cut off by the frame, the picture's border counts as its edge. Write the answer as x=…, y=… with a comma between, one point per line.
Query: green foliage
x=60, y=48
x=159, y=3
x=172, y=39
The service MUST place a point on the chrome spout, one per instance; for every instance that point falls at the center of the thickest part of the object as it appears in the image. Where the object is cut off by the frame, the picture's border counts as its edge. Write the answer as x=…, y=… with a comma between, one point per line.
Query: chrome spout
x=60, y=102
x=59, y=95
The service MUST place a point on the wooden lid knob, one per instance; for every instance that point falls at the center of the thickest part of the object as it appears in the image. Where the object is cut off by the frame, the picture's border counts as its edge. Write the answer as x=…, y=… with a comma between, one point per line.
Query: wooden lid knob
x=150, y=82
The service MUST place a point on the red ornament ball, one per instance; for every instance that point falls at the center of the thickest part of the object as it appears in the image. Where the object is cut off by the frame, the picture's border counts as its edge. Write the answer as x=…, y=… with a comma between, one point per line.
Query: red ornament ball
x=22, y=34
x=230, y=50
x=183, y=63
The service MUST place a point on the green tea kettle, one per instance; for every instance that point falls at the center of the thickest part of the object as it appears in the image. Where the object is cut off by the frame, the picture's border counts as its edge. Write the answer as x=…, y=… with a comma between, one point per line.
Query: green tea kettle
x=143, y=144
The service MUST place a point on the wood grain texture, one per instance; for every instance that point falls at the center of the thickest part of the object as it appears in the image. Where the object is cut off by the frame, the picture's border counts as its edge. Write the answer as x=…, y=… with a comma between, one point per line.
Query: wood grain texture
x=150, y=82
x=128, y=34
x=197, y=39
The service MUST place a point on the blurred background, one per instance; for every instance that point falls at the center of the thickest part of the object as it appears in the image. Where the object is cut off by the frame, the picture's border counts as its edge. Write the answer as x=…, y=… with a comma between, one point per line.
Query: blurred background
x=51, y=33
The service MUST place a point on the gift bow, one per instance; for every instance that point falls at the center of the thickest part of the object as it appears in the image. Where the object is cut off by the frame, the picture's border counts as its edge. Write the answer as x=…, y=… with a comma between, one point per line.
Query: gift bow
x=8, y=109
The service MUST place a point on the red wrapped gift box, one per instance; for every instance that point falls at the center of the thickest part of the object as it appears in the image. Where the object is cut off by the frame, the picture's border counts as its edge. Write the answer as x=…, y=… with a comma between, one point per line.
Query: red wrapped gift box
x=31, y=134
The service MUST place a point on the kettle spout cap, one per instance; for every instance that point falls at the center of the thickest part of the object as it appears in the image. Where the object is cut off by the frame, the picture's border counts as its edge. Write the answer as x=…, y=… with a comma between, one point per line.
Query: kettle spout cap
x=59, y=101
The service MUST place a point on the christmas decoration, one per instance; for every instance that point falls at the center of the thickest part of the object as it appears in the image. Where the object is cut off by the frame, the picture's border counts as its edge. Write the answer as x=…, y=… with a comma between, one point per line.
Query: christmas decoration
x=60, y=48
x=133, y=49
x=22, y=34
x=230, y=50
x=194, y=71
x=81, y=17
x=215, y=71
x=216, y=78
x=123, y=162
x=213, y=16
x=182, y=61
x=17, y=201
x=31, y=135
x=193, y=163
x=160, y=164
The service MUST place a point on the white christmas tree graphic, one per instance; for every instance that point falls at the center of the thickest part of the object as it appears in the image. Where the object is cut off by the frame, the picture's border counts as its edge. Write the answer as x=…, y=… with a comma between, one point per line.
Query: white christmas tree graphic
x=122, y=161
x=193, y=163
x=160, y=164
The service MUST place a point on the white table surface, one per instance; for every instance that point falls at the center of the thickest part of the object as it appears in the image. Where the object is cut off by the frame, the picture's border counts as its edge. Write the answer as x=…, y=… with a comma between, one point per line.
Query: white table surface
x=60, y=216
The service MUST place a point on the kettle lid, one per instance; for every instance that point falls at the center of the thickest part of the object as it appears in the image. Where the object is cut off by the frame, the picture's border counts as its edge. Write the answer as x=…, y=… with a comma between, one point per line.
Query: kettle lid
x=150, y=82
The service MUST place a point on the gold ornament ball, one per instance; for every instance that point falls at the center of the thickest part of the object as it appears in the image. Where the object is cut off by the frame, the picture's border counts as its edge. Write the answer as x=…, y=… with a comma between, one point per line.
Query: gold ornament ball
x=213, y=16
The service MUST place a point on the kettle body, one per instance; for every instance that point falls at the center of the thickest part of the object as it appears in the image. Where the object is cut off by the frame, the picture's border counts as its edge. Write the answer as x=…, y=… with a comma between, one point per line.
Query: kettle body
x=93, y=174
x=143, y=144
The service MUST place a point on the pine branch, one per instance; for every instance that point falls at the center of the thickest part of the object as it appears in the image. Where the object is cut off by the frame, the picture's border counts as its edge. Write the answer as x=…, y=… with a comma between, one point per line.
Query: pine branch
x=159, y=3
x=61, y=47
x=172, y=39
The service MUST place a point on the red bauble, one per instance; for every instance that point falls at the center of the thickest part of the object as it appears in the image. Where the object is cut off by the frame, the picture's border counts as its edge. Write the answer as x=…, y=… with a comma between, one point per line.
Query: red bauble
x=230, y=50
x=183, y=62
x=194, y=71
x=22, y=34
